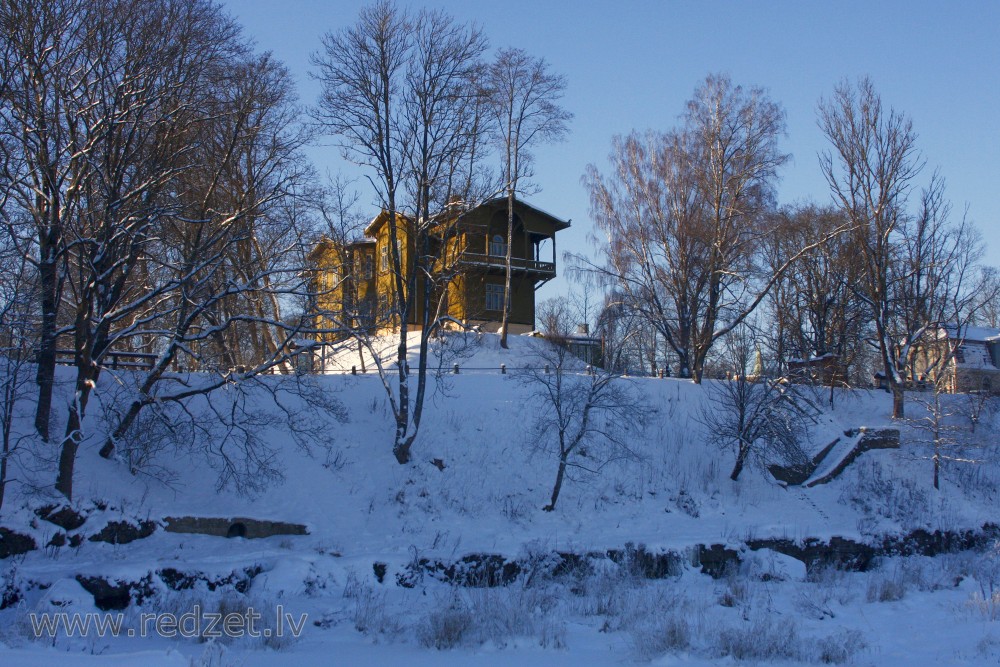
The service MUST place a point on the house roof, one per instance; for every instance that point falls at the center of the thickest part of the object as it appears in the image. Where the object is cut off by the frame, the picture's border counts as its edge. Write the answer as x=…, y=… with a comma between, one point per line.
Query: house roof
x=326, y=242
x=971, y=334
x=501, y=202
x=497, y=203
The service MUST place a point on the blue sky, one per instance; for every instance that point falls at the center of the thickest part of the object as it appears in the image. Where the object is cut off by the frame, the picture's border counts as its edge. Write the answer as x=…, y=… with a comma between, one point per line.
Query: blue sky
x=632, y=65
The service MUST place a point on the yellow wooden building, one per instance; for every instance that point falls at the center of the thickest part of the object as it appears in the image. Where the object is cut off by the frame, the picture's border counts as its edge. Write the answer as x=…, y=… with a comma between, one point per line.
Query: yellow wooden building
x=353, y=282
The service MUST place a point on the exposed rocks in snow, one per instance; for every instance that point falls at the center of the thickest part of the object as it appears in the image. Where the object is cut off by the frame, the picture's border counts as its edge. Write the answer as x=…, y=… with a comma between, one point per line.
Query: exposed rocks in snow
x=113, y=594
x=14, y=544
x=63, y=516
x=123, y=532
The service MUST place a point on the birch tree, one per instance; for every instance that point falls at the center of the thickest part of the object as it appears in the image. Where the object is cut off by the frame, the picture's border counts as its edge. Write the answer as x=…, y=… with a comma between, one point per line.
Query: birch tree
x=399, y=95
x=524, y=101
x=684, y=218
x=918, y=269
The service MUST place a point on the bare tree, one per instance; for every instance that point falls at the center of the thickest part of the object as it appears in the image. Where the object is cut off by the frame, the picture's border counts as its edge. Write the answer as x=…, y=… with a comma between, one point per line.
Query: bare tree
x=940, y=425
x=586, y=420
x=45, y=46
x=232, y=251
x=443, y=107
x=401, y=93
x=684, y=218
x=18, y=338
x=762, y=418
x=936, y=279
x=870, y=170
x=624, y=331
x=987, y=306
x=812, y=310
x=362, y=72
x=148, y=161
x=524, y=101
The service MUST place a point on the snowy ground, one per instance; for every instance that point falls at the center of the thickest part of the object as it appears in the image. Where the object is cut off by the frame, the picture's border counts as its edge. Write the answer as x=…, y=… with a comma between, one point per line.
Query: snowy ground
x=361, y=508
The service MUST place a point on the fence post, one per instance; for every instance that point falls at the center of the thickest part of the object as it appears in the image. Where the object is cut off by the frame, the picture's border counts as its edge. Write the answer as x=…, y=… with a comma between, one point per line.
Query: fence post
x=661, y=373
x=354, y=370
x=455, y=369
x=590, y=369
x=503, y=369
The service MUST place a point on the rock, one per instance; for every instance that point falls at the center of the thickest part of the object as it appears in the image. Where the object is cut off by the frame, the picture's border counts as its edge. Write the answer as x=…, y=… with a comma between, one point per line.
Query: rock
x=177, y=580
x=646, y=564
x=716, y=560
x=116, y=595
x=15, y=544
x=63, y=516
x=123, y=532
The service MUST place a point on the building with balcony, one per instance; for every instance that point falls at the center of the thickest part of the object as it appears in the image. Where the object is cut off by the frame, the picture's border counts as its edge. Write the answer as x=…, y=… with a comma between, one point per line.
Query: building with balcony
x=467, y=247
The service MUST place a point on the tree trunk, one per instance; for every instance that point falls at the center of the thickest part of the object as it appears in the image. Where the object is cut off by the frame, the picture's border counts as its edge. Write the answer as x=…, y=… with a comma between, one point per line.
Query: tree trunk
x=507, y=278
x=741, y=459
x=897, y=400
x=45, y=375
x=86, y=379
x=937, y=467
x=558, y=485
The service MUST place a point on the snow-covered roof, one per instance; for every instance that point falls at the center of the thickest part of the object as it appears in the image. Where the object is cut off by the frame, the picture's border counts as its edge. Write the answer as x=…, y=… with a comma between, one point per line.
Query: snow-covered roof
x=972, y=333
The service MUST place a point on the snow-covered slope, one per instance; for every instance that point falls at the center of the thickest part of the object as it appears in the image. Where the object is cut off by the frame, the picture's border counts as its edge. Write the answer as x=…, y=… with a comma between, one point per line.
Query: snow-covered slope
x=477, y=485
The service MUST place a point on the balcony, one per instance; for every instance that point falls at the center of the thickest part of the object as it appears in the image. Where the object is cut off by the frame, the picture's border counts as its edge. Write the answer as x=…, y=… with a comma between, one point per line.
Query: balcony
x=544, y=270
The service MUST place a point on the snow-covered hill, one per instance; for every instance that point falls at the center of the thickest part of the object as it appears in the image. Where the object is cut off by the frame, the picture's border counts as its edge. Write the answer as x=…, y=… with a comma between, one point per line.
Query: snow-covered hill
x=477, y=486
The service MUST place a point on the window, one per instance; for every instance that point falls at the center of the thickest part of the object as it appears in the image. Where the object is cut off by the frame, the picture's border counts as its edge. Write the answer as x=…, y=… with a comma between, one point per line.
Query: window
x=494, y=297
x=368, y=267
x=498, y=246
x=384, y=261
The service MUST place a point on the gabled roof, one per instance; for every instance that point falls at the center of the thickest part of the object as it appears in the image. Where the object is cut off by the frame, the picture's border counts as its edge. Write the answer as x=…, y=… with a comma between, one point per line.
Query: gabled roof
x=326, y=242
x=380, y=220
x=497, y=203
x=501, y=203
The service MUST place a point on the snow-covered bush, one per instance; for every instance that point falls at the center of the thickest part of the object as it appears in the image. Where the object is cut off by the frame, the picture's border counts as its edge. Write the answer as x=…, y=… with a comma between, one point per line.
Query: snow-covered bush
x=371, y=617
x=499, y=615
x=447, y=625
x=761, y=638
x=886, y=585
x=824, y=589
x=839, y=647
x=669, y=631
x=986, y=572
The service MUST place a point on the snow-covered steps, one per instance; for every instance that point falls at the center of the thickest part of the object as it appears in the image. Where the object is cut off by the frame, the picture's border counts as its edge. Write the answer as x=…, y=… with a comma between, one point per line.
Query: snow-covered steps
x=842, y=455
x=836, y=456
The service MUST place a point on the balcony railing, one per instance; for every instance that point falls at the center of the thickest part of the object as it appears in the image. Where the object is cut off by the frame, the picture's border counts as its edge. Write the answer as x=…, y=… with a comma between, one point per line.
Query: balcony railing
x=516, y=263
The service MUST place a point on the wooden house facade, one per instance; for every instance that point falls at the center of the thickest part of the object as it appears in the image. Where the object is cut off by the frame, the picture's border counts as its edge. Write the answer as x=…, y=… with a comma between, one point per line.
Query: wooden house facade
x=354, y=283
